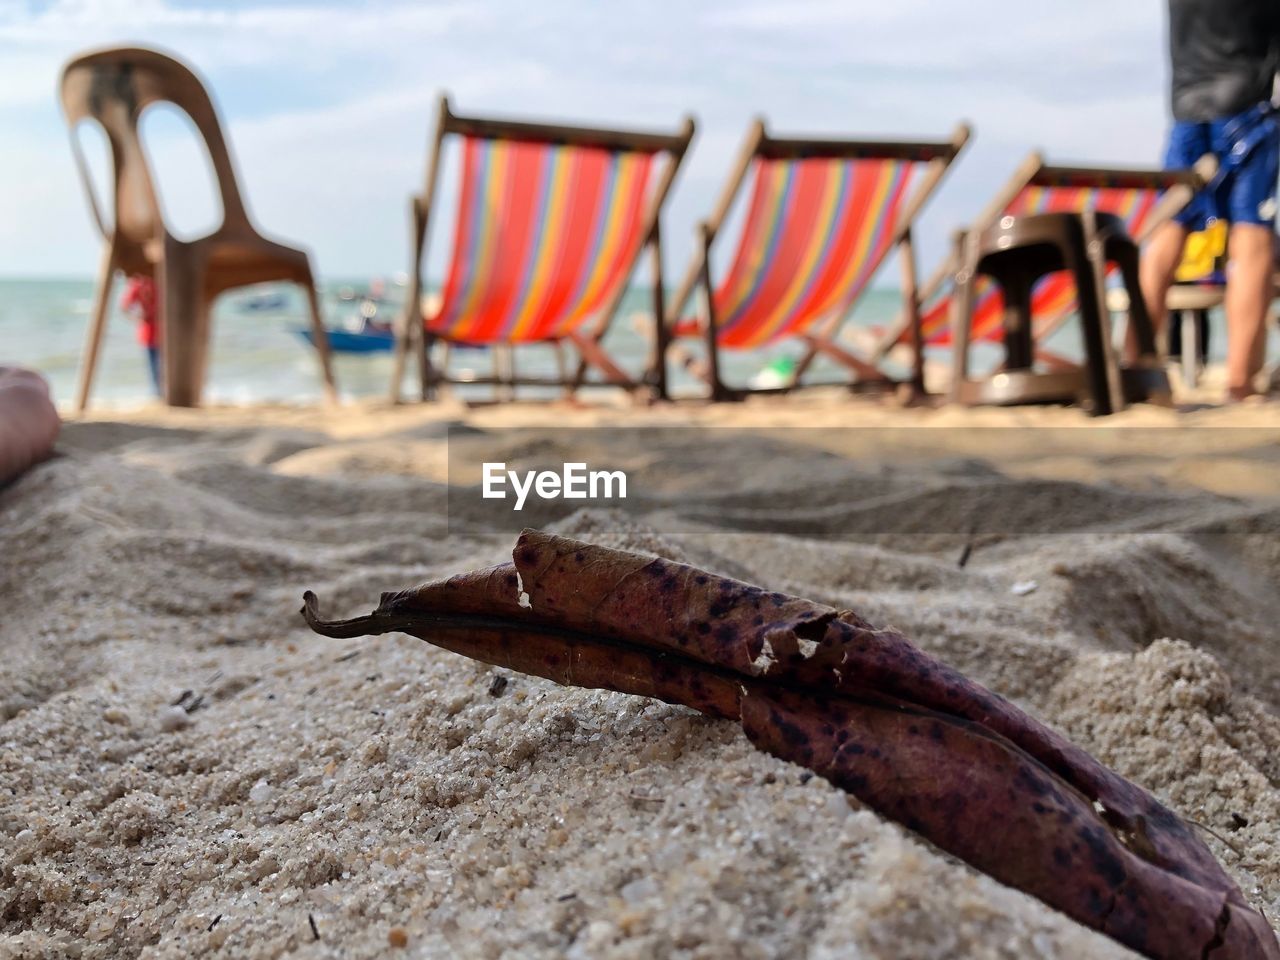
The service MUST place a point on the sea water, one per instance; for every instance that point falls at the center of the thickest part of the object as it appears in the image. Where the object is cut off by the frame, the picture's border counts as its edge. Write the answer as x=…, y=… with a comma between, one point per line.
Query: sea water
x=258, y=356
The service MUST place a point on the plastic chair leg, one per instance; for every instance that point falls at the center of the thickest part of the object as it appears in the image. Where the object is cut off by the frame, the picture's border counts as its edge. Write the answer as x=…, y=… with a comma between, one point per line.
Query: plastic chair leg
x=321, y=338
x=97, y=327
x=184, y=319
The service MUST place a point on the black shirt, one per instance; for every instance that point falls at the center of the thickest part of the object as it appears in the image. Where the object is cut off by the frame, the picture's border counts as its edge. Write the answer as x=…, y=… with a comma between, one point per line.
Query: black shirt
x=1225, y=55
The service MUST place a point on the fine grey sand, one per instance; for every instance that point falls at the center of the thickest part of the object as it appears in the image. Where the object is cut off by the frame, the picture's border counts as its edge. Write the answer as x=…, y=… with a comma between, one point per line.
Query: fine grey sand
x=185, y=770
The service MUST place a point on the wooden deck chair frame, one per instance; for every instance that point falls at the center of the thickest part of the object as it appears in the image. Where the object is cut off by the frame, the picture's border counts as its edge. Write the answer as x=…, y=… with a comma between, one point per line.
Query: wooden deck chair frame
x=411, y=332
x=114, y=87
x=1180, y=187
x=761, y=144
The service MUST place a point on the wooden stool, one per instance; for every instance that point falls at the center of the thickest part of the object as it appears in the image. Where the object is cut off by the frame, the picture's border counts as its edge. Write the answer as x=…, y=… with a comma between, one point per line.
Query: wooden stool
x=1017, y=252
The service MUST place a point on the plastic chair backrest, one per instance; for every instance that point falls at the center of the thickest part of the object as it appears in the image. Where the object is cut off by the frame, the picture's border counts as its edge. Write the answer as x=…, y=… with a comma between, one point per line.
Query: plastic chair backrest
x=114, y=87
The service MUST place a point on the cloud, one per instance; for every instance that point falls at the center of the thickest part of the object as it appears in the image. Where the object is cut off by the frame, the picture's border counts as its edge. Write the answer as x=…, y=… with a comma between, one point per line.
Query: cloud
x=299, y=40
x=328, y=105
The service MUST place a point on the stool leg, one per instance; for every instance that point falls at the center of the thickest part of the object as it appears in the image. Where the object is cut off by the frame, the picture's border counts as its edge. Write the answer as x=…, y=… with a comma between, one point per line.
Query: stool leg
x=1082, y=270
x=1096, y=246
x=1019, y=350
x=1190, y=346
x=1124, y=254
x=1145, y=378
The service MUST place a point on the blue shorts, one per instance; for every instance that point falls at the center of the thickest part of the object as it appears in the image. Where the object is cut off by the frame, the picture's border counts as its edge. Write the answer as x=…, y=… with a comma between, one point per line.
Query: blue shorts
x=1248, y=150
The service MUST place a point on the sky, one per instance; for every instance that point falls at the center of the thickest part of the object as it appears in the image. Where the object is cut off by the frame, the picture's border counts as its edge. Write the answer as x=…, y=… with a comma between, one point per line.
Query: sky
x=328, y=106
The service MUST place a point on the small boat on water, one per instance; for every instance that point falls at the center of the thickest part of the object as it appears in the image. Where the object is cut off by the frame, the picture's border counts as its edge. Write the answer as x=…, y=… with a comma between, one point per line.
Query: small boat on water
x=362, y=333
x=356, y=341
x=268, y=301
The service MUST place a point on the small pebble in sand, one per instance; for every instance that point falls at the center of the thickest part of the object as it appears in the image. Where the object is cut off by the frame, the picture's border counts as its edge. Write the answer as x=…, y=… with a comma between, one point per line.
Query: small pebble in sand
x=638, y=890
x=1023, y=587
x=173, y=718
x=398, y=937
x=261, y=792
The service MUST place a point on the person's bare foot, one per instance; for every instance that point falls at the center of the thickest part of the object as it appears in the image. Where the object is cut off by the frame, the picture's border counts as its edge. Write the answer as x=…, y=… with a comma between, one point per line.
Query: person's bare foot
x=1245, y=395
x=28, y=421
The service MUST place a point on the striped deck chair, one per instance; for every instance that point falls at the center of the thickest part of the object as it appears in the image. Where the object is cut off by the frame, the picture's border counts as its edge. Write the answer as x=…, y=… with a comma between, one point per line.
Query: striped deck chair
x=1143, y=199
x=822, y=217
x=551, y=222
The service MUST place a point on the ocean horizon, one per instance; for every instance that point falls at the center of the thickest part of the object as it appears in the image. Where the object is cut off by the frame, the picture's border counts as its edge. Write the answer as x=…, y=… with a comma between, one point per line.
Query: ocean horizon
x=258, y=355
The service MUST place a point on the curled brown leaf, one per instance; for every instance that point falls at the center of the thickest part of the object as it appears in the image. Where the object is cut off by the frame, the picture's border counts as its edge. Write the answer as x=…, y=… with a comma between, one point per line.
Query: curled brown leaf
x=906, y=734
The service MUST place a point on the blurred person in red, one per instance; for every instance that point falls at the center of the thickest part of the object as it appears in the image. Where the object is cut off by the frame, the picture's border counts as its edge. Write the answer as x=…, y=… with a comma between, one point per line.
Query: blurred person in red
x=139, y=299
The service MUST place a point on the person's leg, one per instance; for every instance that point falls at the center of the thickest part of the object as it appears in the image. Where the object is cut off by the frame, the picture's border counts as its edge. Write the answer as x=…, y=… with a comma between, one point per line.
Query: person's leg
x=1160, y=259
x=1251, y=248
x=1249, y=295
x=1162, y=253
x=153, y=363
x=28, y=422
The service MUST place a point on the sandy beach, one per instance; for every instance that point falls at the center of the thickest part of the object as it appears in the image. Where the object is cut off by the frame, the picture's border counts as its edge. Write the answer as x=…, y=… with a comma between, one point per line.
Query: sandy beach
x=186, y=770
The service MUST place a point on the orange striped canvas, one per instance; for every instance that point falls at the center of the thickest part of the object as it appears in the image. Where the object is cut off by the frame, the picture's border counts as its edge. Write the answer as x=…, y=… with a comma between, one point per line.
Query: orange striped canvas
x=545, y=236
x=816, y=230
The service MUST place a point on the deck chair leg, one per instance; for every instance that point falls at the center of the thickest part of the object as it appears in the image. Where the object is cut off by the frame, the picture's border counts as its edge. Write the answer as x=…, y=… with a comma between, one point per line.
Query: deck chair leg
x=495, y=370
x=562, y=368
x=719, y=392
x=97, y=327
x=661, y=333
x=410, y=335
x=1053, y=361
x=961, y=316
x=422, y=342
x=321, y=338
x=594, y=355
x=404, y=330
x=431, y=379
x=689, y=361
x=568, y=382
x=440, y=376
x=802, y=365
x=861, y=369
x=579, y=377
x=911, y=296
